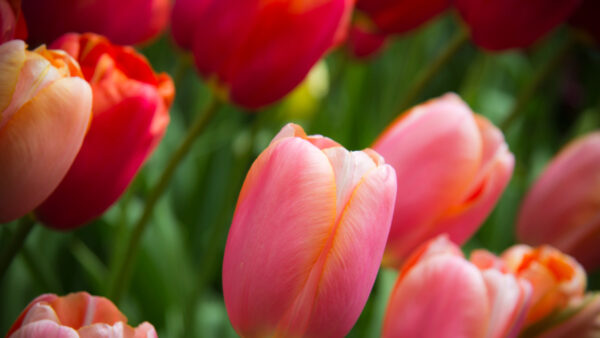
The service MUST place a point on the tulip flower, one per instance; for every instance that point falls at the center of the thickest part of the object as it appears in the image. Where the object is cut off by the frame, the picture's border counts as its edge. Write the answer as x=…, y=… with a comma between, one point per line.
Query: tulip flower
x=12, y=23
x=364, y=41
x=586, y=19
x=582, y=320
x=130, y=116
x=77, y=315
x=45, y=109
x=122, y=21
x=399, y=16
x=307, y=238
x=563, y=206
x=255, y=52
x=440, y=294
x=504, y=24
x=452, y=167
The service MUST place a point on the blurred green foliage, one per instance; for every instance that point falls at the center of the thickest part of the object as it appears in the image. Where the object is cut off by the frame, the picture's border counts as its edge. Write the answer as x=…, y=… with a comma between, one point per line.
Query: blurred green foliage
x=176, y=282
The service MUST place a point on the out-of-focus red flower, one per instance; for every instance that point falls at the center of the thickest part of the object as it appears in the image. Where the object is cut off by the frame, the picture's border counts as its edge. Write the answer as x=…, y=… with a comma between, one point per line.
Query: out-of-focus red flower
x=505, y=24
x=130, y=116
x=586, y=19
x=12, y=22
x=256, y=51
x=364, y=41
x=124, y=22
x=45, y=109
x=452, y=166
x=307, y=238
x=77, y=315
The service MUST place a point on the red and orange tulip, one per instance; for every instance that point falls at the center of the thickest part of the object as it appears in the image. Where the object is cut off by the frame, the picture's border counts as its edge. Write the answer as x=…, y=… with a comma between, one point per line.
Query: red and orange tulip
x=505, y=24
x=563, y=206
x=130, y=116
x=77, y=315
x=440, y=294
x=122, y=21
x=45, y=109
x=452, y=166
x=307, y=238
x=257, y=51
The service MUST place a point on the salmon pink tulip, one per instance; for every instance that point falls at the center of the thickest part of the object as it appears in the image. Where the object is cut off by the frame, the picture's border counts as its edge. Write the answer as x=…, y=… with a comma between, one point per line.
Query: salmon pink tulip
x=122, y=21
x=12, y=22
x=45, y=109
x=77, y=315
x=505, y=24
x=440, y=294
x=257, y=51
x=130, y=116
x=452, y=167
x=307, y=238
x=563, y=206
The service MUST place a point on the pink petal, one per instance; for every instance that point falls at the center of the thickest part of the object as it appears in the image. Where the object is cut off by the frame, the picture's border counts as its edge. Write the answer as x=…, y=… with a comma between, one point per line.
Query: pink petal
x=44, y=329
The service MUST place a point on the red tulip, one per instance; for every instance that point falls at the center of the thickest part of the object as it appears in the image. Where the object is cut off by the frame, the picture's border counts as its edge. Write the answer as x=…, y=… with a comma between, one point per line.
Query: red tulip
x=45, y=109
x=122, y=21
x=307, y=238
x=399, y=16
x=256, y=51
x=505, y=24
x=12, y=23
x=130, y=117
x=440, y=294
x=364, y=41
x=452, y=167
x=73, y=316
x=563, y=206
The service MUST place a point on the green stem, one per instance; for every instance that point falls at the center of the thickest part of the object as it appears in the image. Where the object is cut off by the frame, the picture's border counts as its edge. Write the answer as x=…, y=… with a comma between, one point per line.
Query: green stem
x=16, y=243
x=536, y=82
x=124, y=269
x=460, y=38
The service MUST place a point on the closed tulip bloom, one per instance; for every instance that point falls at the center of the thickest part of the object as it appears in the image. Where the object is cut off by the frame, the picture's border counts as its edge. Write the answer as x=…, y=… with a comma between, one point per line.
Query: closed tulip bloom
x=122, y=21
x=504, y=24
x=45, y=109
x=399, y=16
x=563, y=206
x=130, y=116
x=257, y=51
x=77, y=315
x=440, y=294
x=12, y=23
x=307, y=238
x=452, y=166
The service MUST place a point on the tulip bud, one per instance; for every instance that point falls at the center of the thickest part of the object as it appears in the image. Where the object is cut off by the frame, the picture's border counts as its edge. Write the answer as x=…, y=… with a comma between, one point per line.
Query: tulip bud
x=505, y=24
x=563, y=206
x=452, y=167
x=122, y=21
x=73, y=316
x=556, y=279
x=130, y=116
x=440, y=294
x=45, y=110
x=307, y=238
x=12, y=23
x=255, y=52
x=399, y=16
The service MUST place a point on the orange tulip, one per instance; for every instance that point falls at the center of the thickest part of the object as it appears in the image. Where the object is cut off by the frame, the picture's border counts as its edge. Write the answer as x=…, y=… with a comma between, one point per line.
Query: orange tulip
x=77, y=315
x=45, y=109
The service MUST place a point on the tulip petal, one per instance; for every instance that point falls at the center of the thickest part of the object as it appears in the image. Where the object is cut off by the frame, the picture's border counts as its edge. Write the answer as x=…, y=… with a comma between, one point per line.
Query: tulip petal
x=81, y=309
x=285, y=215
x=40, y=311
x=39, y=143
x=12, y=58
x=425, y=302
x=102, y=330
x=145, y=330
x=44, y=328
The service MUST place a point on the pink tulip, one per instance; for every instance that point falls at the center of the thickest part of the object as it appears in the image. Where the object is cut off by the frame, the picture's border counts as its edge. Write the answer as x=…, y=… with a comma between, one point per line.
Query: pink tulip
x=440, y=294
x=307, y=238
x=505, y=24
x=452, y=167
x=122, y=21
x=130, y=116
x=563, y=206
x=77, y=315
x=45, y=110
x=257, y=51
x=12, y=23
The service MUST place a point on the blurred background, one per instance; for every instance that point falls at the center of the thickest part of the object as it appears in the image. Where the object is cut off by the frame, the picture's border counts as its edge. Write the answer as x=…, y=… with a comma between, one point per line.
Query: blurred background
x=176, y=280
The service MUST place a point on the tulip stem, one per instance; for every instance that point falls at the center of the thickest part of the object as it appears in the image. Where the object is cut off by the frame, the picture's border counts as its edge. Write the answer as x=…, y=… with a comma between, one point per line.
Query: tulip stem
x=460, y=38
x=538, y=79
x=124, y=269
x=16, y=243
